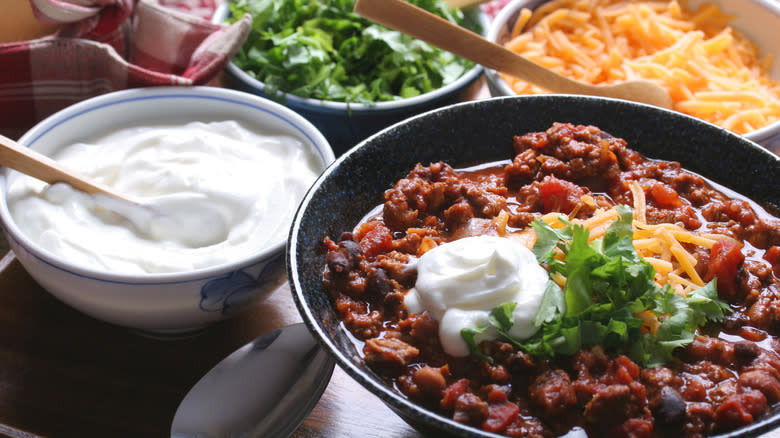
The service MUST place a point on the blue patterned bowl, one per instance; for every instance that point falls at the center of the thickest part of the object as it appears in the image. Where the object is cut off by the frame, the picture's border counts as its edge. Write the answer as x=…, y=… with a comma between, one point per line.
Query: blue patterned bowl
x=480, y=131
x=160, y=304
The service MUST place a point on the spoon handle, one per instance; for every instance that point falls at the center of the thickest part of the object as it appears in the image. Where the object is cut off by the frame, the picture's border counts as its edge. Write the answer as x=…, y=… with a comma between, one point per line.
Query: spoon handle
x=421, y=24
x=39, y=166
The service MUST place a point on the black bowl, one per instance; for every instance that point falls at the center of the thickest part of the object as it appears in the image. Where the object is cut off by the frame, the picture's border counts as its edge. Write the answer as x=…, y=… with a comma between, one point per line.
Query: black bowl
x=479, y=131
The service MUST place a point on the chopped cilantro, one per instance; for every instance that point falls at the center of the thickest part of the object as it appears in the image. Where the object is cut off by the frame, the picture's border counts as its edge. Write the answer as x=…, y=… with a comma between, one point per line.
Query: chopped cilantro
x=469, y=335
x=323, y=50
x=607, y=285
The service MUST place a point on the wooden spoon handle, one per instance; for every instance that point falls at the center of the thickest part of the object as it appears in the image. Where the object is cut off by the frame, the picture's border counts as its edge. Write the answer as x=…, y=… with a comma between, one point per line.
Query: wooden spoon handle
x=421, y=24
x=29, y=162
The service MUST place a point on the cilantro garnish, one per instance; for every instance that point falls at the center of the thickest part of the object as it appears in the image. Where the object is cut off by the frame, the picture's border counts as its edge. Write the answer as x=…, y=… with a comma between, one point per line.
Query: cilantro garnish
x=607, y=285
x=323, y=50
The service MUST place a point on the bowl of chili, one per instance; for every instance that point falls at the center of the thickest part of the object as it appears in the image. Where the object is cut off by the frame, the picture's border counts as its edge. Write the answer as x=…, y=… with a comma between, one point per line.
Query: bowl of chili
x=502, y=166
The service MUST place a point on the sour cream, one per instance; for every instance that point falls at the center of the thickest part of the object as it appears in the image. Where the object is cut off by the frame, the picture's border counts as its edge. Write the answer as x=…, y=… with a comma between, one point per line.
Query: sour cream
x=238, y=187
x=460, y=282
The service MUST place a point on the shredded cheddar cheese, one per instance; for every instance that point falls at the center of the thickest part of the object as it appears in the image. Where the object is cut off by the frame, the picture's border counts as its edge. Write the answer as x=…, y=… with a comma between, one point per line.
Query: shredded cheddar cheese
x=661, y=245
x=711, y=70
x=638, y=194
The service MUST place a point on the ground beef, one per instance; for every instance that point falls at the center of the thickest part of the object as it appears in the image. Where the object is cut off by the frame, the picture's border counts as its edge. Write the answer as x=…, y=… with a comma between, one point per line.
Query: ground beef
x=553, y=393
x=389, y=352
x=470, y=409
x=612, y=406
x=581, y=154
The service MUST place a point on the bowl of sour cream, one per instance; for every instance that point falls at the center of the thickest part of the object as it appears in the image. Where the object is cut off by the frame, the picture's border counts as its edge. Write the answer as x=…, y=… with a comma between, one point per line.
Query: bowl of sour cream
x=233, y=165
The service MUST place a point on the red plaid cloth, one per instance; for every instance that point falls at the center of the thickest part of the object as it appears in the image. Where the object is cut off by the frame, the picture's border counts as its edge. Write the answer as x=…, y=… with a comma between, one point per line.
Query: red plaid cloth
x=112, y=45
x=492, y=8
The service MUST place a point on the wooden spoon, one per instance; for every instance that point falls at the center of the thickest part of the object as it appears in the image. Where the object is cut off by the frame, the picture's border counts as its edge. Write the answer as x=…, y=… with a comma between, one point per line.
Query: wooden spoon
x=39, y=166
x=191, y=219
x=421, y=24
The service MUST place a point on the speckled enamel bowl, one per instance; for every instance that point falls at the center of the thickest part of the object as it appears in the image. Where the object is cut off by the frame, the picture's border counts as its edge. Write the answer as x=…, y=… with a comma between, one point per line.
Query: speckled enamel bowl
x=482, y=131
x=160, y=304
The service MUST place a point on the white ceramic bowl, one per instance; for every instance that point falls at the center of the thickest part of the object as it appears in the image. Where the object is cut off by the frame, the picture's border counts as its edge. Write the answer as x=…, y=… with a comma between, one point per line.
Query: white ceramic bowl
x=758, y=20
x=162, y=304
x=345, y=124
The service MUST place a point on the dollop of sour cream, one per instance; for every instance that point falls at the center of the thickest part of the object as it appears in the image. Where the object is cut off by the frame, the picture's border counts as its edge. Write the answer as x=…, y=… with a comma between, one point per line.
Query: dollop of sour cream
x=248, y=183
x=461, y=281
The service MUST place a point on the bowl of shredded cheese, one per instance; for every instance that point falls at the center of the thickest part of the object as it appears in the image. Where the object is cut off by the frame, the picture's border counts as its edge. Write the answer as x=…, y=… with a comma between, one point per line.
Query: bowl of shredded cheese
x=716, y=57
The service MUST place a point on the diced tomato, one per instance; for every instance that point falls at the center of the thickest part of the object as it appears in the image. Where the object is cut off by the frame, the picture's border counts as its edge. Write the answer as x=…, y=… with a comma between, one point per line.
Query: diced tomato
x=452, y=392
x=329, y=245
x=626, y=371
x=501, y=412
x=693, y=389
x=637, y=428
x=665, y=196
x=374, y=238
x=740, y=409
x=773, y=257
x=725, y=258
x=752, y=334
x=559, y=195
x=366, y=228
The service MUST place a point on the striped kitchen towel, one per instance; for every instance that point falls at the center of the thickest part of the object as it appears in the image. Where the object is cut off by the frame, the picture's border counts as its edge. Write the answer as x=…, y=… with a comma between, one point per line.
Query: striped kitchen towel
x=110, y=45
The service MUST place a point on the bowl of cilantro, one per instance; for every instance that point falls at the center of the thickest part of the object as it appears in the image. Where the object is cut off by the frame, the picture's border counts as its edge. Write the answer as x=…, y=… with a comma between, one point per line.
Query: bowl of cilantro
x=347, y=75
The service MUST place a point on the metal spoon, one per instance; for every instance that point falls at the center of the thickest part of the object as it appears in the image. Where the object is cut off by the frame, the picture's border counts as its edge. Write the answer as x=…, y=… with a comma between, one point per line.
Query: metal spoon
x=421, y=24
x=188, y=218
x=264, y=389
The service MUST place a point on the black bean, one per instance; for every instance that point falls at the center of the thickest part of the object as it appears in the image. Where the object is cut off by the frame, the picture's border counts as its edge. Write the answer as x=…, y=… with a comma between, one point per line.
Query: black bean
x=745, y=351
x=670, y=407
